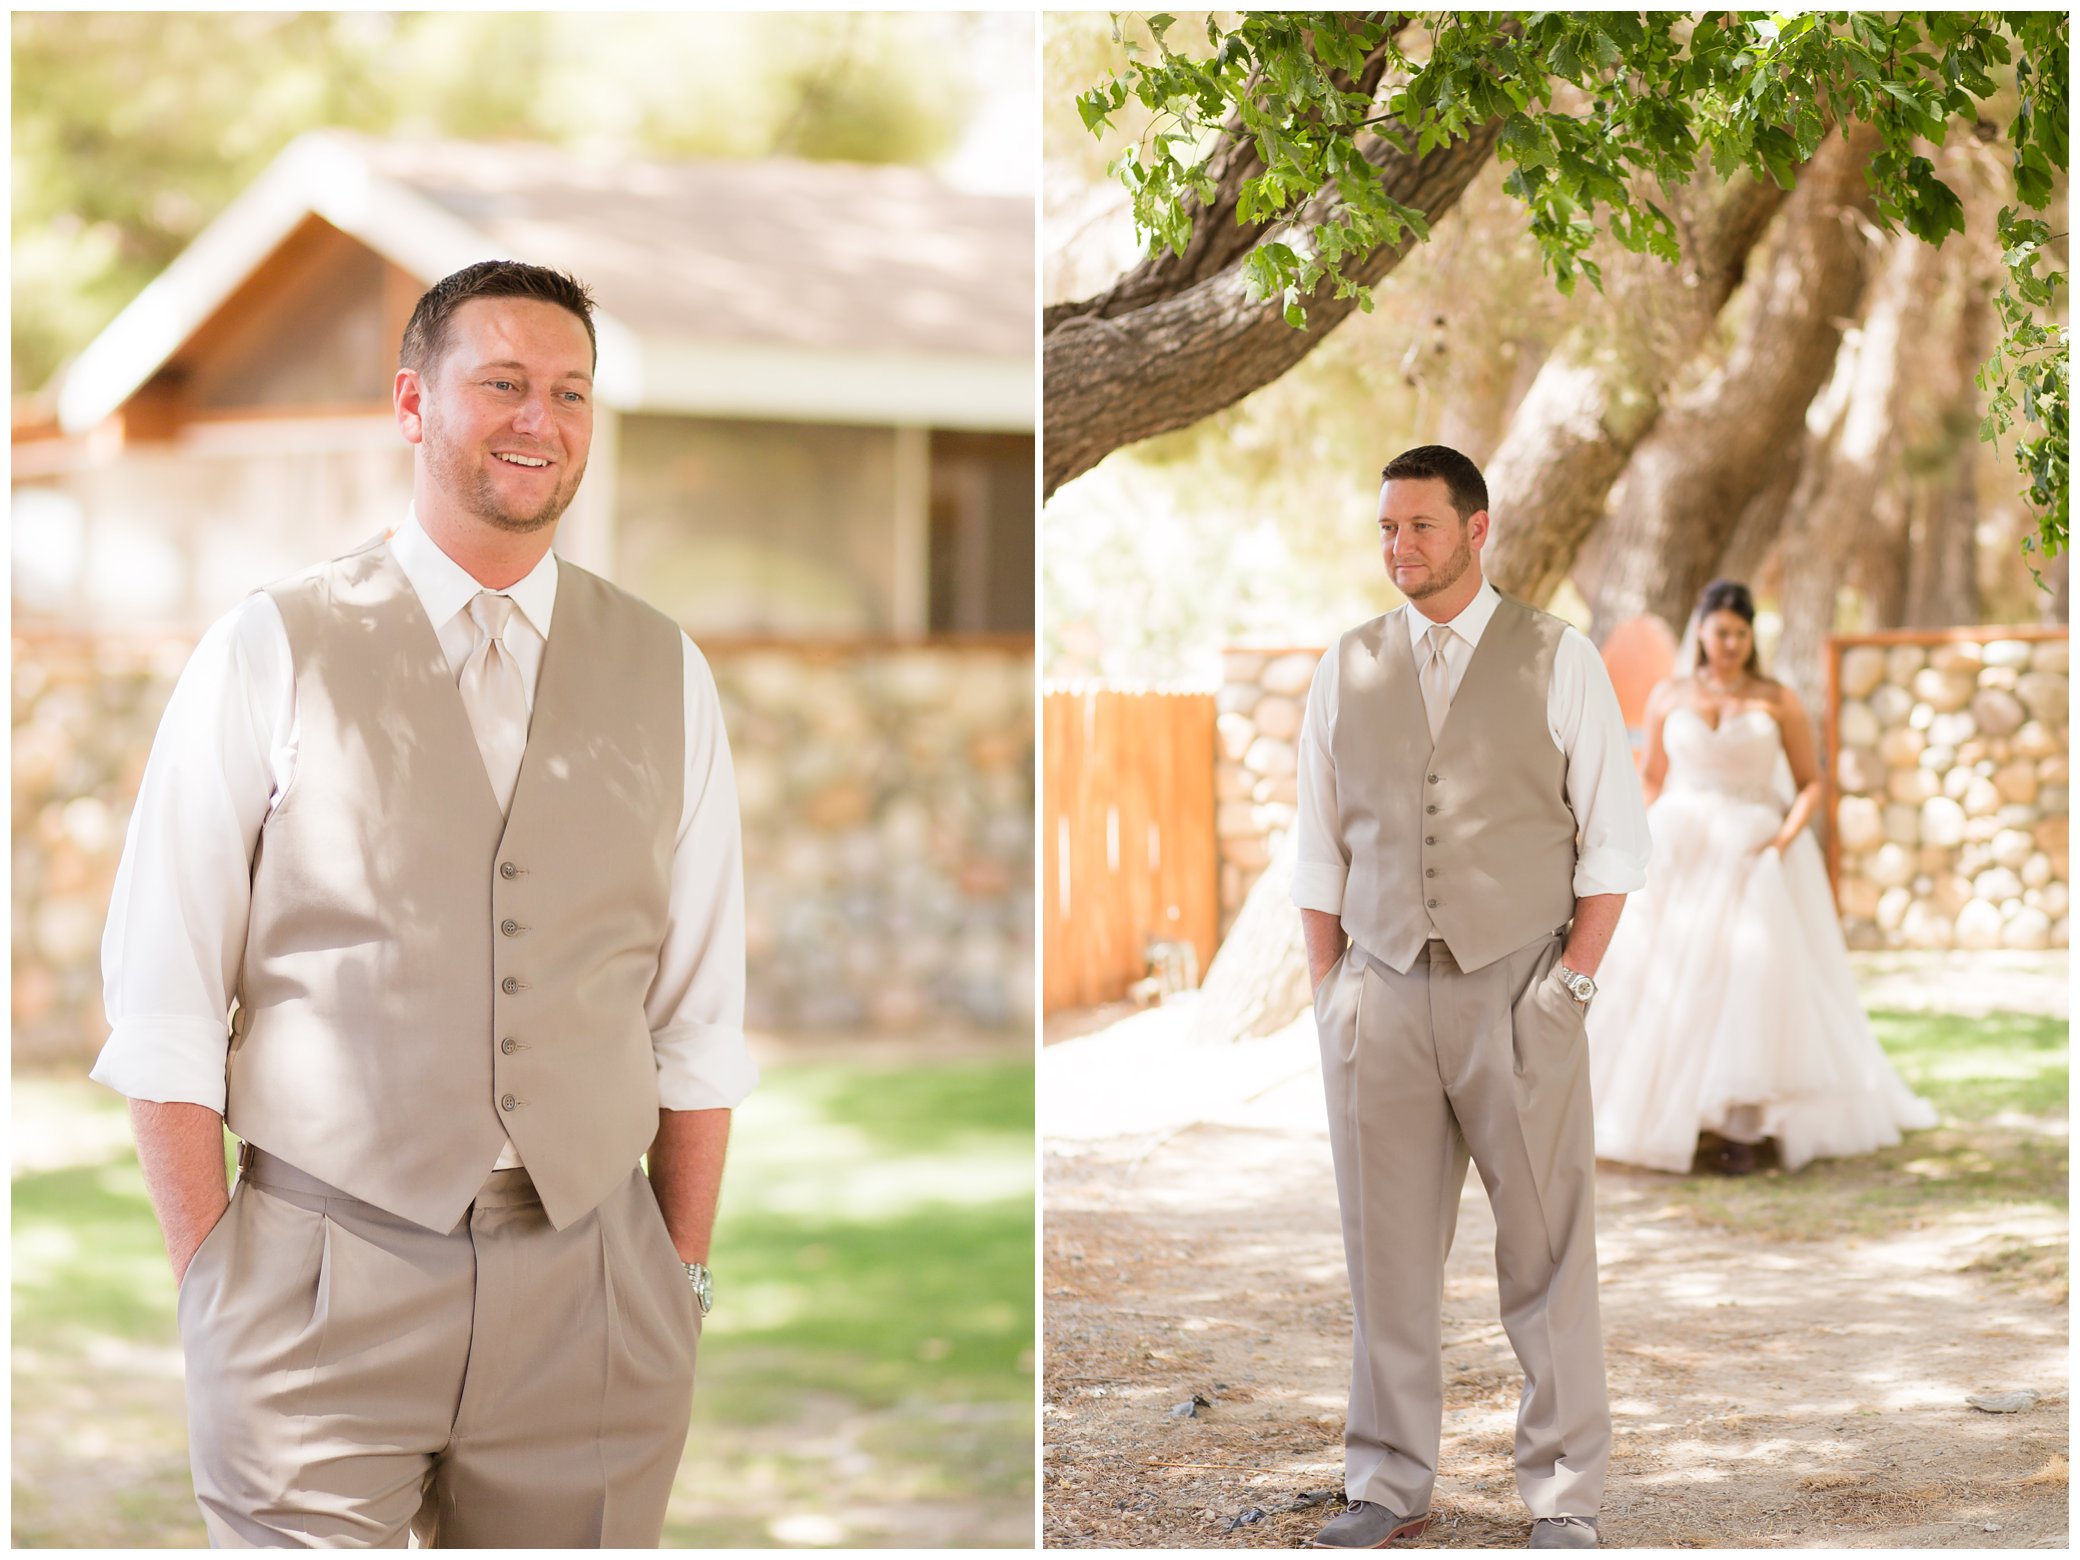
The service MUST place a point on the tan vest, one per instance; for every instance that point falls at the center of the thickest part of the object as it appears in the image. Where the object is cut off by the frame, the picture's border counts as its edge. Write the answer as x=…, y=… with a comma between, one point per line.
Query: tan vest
x=423, y=977
x=1475, y=835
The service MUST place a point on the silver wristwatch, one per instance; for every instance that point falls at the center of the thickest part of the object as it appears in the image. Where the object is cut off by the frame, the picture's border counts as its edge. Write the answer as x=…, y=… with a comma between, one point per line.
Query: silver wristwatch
x=1579, y=986
x=703, y=1285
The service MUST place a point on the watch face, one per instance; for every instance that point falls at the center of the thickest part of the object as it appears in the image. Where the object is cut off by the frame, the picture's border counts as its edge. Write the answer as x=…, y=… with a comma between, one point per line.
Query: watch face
x=704, y=1290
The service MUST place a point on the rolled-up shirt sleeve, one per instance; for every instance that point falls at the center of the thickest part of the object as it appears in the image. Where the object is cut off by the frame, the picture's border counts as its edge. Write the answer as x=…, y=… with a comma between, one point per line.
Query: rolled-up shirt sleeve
x=696, y=1002
x=1602, y=781
x=1321, y=864
x=176, y=929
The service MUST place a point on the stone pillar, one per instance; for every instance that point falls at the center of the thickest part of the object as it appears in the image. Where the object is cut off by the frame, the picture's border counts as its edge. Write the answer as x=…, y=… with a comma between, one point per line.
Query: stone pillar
x=1262, y=697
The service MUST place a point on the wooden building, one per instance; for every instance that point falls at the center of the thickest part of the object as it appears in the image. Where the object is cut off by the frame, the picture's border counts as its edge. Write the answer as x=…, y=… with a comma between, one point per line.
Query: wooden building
x=815, y=393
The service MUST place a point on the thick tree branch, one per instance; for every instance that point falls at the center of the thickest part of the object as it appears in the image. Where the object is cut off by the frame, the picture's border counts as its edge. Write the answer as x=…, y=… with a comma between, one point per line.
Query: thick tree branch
x=1184, y=356
x=1218, y=239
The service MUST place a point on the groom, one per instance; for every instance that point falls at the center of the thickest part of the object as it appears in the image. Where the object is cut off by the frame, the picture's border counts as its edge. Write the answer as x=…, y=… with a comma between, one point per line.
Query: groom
x=1470, y=822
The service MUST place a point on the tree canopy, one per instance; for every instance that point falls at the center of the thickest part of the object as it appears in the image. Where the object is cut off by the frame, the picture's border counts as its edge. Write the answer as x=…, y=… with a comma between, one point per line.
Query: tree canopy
x=1294, y=157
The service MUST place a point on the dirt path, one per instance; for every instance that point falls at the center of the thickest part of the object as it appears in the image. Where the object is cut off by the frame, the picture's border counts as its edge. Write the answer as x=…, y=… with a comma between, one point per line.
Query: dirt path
x=1765, y=1393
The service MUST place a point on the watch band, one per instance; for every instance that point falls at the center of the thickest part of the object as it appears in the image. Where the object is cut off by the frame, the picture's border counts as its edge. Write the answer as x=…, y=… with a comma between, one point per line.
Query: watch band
x=703, y=1283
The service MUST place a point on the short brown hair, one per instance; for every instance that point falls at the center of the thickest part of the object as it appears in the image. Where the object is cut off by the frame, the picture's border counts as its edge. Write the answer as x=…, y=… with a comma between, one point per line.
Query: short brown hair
x=426, y=336
x=1461, y=477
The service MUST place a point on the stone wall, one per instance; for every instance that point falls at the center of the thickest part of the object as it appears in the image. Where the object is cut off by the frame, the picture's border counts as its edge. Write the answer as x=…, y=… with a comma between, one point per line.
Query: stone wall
x=888, y=815
x=1262, y=696
x=1951, y=776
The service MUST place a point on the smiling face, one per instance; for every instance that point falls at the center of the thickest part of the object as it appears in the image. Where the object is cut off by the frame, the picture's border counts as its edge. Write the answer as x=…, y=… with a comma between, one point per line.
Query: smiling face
x=1726, y=641
x=503, y=419
x=1429, y=551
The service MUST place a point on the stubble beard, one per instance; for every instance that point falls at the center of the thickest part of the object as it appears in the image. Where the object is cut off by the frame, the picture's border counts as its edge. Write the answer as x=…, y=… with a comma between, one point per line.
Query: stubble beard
x=1444, y=576
x=471, y=486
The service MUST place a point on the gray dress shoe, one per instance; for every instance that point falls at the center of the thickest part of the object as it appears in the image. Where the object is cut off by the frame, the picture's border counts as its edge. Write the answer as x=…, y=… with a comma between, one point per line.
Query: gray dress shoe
x=1563, y=1533
x=1367, y=1525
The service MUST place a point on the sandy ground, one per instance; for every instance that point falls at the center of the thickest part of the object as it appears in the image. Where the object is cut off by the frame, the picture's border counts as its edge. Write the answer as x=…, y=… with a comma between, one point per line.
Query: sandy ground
x=1765, y=1394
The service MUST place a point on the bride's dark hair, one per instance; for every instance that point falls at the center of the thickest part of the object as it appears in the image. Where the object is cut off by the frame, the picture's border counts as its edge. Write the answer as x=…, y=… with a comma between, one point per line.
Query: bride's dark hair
x=1729, y=596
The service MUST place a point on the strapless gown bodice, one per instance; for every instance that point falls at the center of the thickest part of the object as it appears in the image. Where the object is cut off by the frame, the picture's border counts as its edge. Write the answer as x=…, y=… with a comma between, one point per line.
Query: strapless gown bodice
x=1726, y=1002
x=1737, y=758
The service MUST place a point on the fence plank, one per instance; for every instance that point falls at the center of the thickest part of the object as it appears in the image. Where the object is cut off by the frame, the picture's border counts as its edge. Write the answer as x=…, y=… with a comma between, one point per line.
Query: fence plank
x=1127, y=837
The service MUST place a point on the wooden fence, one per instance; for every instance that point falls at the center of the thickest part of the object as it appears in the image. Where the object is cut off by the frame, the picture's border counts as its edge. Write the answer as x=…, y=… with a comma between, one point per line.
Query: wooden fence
x=1127, y=841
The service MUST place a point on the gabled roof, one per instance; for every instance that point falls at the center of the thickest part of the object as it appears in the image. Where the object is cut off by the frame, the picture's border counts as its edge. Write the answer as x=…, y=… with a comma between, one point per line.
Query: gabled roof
x=820, y=291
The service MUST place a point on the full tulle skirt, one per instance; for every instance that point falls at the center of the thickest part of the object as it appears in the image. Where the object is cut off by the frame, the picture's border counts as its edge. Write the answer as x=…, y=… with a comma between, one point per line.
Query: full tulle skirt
x=1726, y=1003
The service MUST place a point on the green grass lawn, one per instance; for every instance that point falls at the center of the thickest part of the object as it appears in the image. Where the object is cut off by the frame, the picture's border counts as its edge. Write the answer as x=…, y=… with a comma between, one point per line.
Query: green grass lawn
x=1999, y=1083
x=866, y=1379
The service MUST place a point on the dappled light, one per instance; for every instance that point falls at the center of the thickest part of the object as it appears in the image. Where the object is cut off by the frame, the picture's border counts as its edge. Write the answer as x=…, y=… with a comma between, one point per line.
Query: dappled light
x=1789, y=1354
x=869, y=1365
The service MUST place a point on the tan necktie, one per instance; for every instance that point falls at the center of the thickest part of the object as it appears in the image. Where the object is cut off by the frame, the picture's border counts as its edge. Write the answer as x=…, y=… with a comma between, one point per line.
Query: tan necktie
x=494, y=696
x=1437, y=681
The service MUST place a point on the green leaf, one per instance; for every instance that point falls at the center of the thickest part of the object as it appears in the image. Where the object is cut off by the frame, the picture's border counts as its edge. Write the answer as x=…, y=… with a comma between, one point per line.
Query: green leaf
x=1779, y=153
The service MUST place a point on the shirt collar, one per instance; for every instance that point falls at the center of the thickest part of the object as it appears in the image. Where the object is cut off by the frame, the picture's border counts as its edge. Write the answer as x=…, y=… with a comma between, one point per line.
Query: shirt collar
x=1468, y=625
x=445, y=588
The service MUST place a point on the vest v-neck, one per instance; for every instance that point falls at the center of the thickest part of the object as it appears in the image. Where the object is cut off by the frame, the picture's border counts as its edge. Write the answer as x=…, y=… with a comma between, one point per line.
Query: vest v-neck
x=1404, y=645
x=455, y=719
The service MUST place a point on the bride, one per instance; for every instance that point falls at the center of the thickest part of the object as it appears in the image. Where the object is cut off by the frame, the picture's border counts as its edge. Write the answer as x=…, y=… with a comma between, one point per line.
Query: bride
x=1725, y=1006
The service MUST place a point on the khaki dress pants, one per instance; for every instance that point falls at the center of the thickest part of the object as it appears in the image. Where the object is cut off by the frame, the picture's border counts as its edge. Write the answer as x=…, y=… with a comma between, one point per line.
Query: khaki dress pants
x=1421, y=1069
x=354, y=1378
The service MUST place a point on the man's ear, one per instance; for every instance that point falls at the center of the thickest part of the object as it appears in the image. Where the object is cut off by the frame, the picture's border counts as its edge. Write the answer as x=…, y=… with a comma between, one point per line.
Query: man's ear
x=406, y=393
x=1477, y=529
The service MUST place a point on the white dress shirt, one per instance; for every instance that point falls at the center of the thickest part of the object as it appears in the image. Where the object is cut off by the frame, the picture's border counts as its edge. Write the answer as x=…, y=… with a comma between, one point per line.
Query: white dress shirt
x=1582, y=718
x=225, y=754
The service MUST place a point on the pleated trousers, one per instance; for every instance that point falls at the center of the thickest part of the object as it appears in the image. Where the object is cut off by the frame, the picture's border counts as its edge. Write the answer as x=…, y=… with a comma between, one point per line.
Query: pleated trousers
x=355, y=1379
x=1422, y=1070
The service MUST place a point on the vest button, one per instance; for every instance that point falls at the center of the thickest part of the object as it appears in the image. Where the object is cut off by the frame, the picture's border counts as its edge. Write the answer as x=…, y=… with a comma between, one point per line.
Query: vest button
x=509, y=985
x=1429, y=839
x=1431, y=903
x=1429, y=872
x=509, y=1045
x=510, y=928
x=507, y=870
x=1431, y=808
x=509, y=1103
x=1433, y=779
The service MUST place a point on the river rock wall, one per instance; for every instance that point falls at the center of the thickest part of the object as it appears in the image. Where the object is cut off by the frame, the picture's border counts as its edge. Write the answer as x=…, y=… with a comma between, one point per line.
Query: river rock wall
x=1262, y=698
x=1952, y=786
x=887, y=799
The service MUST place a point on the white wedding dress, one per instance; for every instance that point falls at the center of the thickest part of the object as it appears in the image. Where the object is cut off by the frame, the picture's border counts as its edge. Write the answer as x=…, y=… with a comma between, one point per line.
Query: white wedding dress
x=1726, y=1002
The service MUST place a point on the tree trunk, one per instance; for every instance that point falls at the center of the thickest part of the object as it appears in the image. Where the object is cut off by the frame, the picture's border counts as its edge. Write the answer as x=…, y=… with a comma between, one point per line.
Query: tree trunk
x=1112, y=380
x=1943, y=550
x=1706, y=459
x=1601, y=391
x=1751, y=550
x=1943, y=546
x=1847, y=491
x=2056, y=600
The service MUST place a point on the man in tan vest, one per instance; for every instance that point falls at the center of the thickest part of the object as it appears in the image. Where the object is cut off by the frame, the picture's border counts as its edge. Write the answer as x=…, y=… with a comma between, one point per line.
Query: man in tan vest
x=1469, y=825
x=448, y=830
